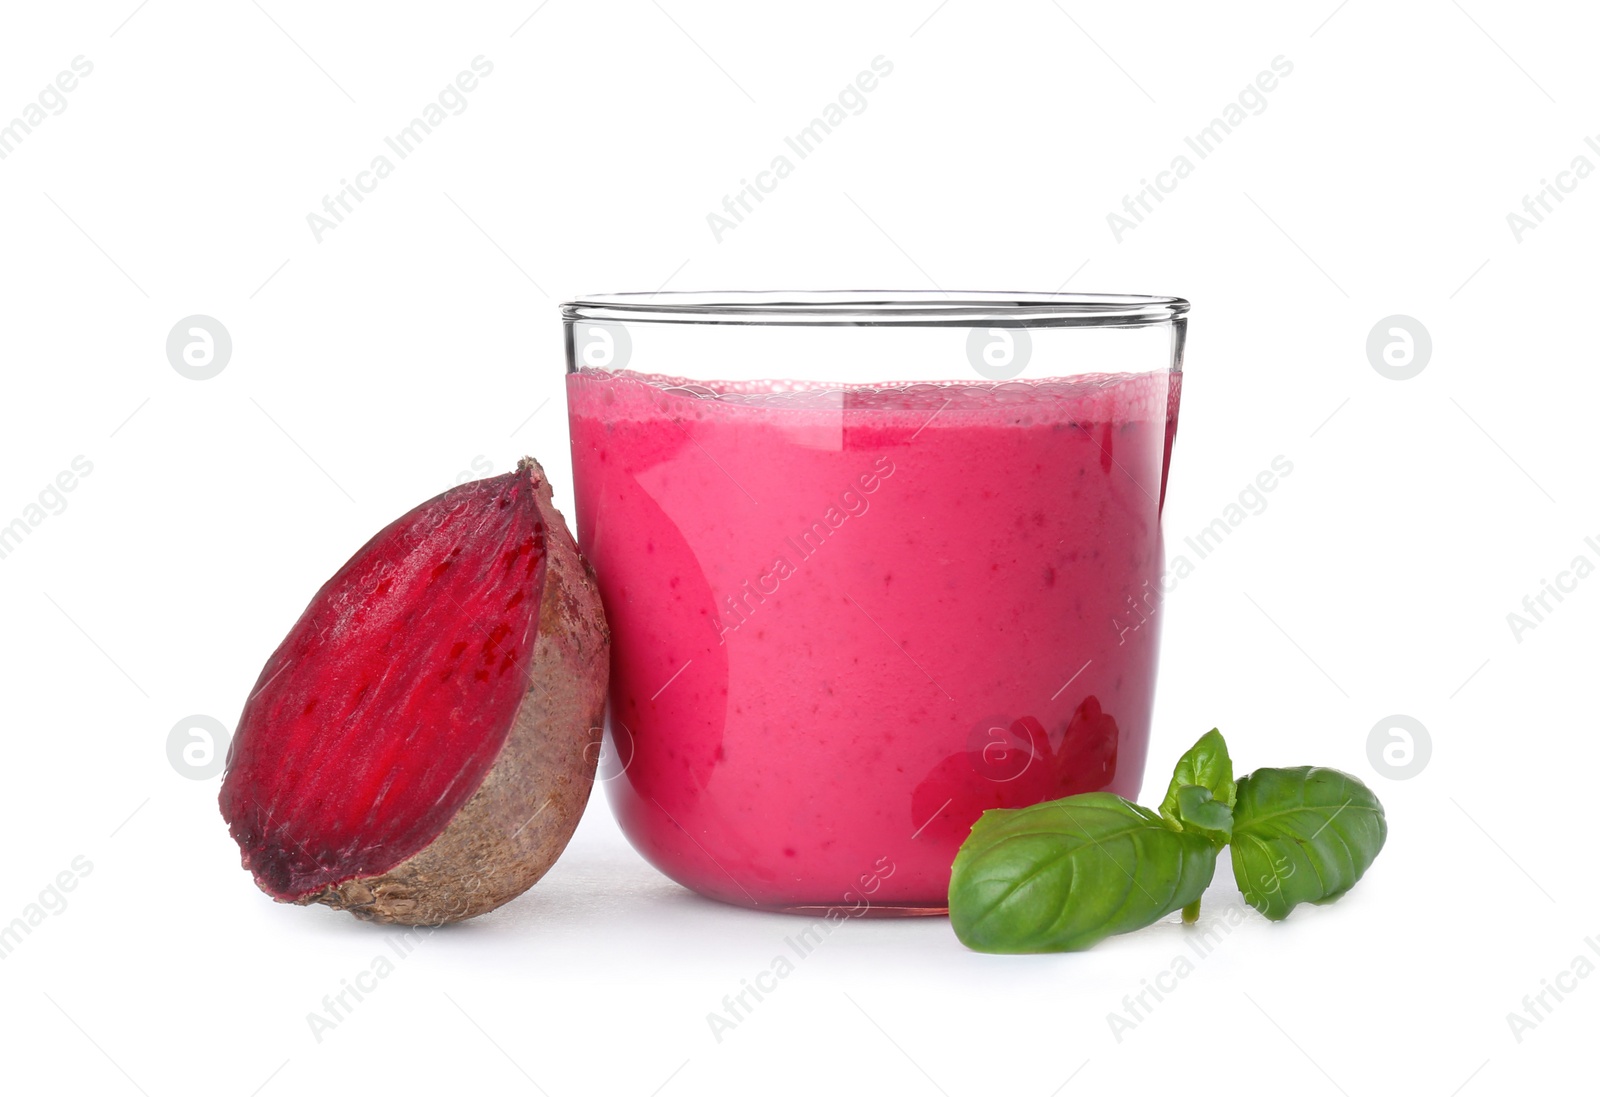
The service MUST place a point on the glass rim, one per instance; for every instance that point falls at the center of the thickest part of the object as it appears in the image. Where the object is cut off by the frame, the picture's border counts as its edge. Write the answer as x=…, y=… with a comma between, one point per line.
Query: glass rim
x=857, y=308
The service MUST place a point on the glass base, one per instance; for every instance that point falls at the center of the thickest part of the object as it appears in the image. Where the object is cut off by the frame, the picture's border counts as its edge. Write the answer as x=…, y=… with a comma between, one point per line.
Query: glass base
x=885, y=910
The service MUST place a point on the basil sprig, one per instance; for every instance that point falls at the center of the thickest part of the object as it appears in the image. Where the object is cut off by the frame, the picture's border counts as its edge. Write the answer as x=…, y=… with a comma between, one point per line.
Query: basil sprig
x=1062, y=876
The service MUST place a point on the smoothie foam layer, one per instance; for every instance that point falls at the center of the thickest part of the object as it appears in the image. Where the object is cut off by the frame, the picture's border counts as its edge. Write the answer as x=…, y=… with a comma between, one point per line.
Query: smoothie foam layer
x=1090, y=396
x=849, y=619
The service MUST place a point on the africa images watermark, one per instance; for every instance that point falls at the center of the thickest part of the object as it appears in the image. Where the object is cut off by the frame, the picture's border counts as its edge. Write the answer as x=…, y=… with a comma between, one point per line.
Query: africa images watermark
x=337, y=1007
x=453, y=98
x=52, y=99
x=1538, y=205
x=1252, y=500
x=51, y=500
x=1202, y=940
x=737, y=1008
x=1251, y=101
x=851, y=503
x=480, y=467
x=51, y=900
x=1537, y=1007
x=1536, y=607
x=853, y=99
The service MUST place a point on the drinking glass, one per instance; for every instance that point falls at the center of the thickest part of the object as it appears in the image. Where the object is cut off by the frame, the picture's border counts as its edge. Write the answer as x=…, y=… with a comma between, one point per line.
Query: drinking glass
x=873, y=564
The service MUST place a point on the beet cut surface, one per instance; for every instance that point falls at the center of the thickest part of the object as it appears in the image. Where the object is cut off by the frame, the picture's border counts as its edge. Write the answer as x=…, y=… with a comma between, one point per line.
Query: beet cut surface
x=382, y=711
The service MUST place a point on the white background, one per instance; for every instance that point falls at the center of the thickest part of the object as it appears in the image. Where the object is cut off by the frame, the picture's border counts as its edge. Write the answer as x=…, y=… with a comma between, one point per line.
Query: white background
x=412, y=344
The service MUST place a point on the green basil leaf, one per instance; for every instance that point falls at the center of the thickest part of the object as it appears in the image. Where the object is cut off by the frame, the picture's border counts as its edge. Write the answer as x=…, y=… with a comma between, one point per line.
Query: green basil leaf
x=1198, y=812
x=1303, y=835
x=1063, y=875
x=1205, y=764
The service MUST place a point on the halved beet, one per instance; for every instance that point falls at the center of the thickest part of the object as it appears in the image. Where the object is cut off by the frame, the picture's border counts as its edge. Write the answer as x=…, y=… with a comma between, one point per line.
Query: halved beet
x=421, y=745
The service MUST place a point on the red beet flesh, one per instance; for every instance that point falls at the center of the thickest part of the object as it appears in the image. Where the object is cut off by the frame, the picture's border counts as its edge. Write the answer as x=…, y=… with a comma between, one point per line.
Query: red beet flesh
x=380, y=714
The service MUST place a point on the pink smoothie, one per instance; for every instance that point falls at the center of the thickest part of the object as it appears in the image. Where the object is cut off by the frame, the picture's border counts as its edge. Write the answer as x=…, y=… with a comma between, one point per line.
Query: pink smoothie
x=846, y=621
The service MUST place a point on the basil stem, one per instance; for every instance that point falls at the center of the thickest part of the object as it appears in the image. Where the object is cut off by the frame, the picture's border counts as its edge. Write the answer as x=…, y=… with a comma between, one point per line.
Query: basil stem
x=1200, y=797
